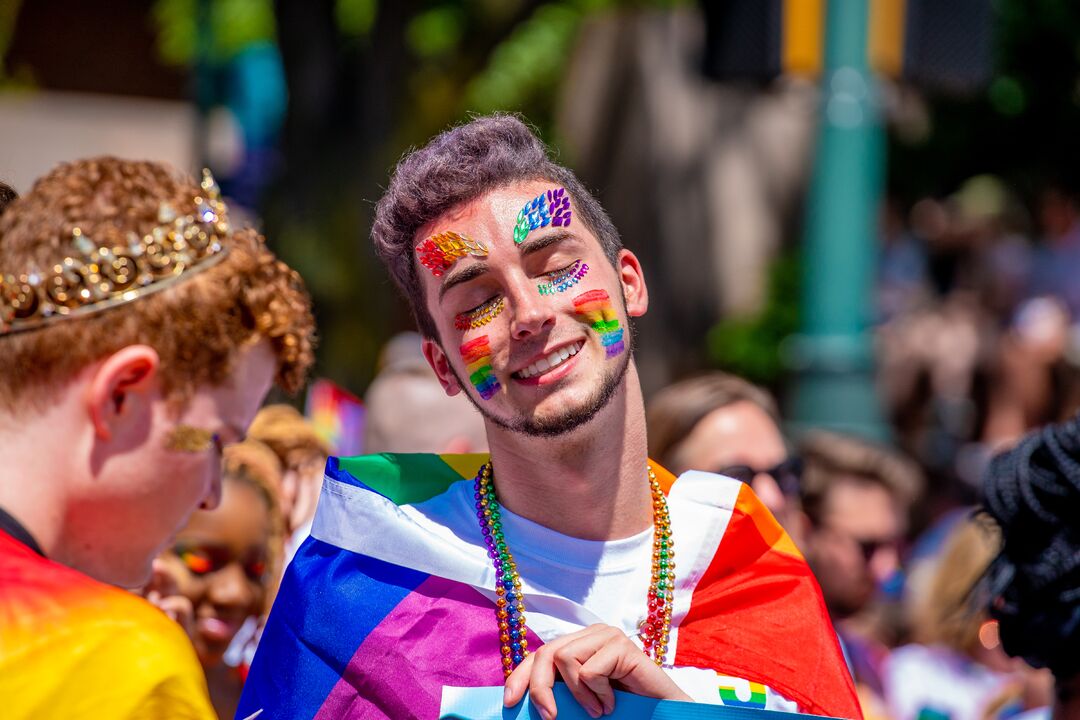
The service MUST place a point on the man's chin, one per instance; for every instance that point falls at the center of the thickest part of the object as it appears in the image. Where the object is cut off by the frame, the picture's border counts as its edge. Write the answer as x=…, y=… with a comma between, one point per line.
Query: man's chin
x=566, y=415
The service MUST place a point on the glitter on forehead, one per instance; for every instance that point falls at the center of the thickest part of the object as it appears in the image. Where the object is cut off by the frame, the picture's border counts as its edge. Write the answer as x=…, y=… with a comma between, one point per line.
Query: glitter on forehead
x=548, y=208
x=439, y=252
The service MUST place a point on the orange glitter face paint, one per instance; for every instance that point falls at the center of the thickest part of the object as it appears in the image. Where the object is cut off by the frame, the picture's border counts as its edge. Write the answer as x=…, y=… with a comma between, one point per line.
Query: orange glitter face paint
x=595, y=308
x=439, y=252
x=480, y=316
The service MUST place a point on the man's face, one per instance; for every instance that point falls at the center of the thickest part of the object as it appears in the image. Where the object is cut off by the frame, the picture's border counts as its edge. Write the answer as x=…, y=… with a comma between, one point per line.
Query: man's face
x=145, y=490
x=737, y=435
x=543, y=361
x=855, y=547
x=220, y=562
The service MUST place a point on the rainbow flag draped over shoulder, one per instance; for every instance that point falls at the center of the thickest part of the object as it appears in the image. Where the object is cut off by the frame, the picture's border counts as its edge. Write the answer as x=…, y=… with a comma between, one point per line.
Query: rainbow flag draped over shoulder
x=391, y=598
x=71, y=647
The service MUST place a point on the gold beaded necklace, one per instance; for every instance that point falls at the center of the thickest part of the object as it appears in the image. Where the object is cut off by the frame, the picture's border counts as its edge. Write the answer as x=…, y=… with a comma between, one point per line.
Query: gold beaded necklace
x=654, y=632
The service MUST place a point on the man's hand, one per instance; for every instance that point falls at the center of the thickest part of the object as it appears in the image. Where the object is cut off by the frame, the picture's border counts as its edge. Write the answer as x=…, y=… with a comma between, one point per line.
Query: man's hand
x=589, y=661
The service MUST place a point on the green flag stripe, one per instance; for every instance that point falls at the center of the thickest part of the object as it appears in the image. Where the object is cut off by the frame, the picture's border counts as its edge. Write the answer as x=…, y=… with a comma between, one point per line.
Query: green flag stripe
x=404, y=478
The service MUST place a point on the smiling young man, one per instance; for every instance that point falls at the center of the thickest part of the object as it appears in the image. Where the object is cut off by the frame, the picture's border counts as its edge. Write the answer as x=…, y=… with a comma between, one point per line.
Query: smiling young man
x=138, y=334
x=555, y=555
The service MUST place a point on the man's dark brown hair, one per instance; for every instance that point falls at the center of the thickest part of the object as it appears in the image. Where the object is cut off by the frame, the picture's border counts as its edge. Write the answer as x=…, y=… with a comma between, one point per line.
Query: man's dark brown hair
x=456, y=167
x=831, y=457
x=675, y=411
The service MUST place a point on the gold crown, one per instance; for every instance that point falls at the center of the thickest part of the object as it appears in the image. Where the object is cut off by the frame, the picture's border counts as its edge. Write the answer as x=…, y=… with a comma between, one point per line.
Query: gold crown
x=109, y=275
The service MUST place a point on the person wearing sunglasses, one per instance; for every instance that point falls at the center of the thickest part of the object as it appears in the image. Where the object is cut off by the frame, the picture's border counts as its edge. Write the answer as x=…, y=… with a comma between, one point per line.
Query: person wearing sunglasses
x=855, y=497
x=724, y=424
x=223, y=566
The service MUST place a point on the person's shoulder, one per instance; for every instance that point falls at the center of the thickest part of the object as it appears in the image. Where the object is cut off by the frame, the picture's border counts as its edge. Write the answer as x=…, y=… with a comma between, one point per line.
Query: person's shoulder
x=72, y=642
x=708, y=488
x=73, y=602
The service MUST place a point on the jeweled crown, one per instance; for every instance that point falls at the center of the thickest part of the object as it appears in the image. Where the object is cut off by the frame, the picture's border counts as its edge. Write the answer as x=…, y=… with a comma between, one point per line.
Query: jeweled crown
x=107, y=275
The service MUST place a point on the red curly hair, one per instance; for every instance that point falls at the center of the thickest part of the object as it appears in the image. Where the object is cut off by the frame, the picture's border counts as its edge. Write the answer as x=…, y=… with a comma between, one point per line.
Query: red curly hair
x=197, y=326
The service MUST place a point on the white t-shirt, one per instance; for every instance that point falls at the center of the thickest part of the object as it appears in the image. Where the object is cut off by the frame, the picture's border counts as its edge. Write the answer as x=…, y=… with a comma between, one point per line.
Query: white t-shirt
x=609, y=578
x=936, y=683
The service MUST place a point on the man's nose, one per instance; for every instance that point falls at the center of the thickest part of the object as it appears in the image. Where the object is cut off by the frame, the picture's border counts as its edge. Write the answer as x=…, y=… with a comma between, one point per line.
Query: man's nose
x=768, y=491
x=231, y=587
x=532, y=312
x=884, y=562
x=213, y=495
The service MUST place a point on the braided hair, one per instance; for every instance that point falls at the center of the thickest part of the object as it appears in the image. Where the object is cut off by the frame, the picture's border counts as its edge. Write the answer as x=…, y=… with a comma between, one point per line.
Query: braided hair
x=1033, y=493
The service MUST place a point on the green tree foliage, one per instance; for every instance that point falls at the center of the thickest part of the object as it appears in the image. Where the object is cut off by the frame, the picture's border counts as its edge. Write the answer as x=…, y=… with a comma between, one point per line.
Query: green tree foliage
x=751, y=347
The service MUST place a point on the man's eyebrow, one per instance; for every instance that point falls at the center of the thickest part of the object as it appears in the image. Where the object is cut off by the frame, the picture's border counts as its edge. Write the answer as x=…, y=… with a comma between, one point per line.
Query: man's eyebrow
x=470, y=272
x=537, y=244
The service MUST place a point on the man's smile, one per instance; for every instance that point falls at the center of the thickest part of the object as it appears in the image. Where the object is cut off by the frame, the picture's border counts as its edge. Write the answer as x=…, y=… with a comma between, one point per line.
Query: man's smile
x=549, y=361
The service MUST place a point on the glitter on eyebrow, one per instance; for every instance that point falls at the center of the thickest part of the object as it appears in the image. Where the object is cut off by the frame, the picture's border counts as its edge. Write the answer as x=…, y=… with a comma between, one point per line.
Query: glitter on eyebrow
x=548, y=208
x=185, y=438
x=439, y=252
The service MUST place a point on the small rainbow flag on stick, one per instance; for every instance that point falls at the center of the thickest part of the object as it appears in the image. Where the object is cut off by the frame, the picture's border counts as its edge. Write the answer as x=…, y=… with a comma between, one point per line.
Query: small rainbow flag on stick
x=595, y=306
x=477, y=356
x=337, y=416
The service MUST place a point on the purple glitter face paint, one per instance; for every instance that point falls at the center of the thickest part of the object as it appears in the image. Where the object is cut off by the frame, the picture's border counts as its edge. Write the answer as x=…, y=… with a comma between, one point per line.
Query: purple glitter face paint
x=549, y=208
x=477, y=356
x=563, y=280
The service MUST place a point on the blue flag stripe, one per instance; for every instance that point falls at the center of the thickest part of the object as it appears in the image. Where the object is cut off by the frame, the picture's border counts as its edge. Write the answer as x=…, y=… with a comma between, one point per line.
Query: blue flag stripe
x=330, y=600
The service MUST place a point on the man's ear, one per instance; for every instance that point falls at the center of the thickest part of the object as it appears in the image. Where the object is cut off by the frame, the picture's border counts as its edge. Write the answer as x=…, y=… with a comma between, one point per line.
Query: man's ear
x=120, y=380
x=632, y=278
x=438, y=361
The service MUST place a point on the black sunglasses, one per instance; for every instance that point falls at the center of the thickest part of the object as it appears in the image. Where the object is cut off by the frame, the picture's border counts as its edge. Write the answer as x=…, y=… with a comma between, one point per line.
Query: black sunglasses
x=787, y=474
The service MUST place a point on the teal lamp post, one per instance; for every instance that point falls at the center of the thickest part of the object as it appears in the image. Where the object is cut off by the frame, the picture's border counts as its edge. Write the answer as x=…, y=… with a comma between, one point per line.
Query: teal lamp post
x=831, y=358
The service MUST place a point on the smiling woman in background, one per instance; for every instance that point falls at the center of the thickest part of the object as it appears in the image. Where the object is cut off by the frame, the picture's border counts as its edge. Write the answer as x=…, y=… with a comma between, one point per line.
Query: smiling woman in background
x=224, y=566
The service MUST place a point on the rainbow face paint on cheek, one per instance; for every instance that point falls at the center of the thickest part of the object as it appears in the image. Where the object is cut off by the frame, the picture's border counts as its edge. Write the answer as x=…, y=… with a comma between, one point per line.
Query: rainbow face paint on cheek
x=563, y=280
x=549, y=208
x=477, y=356
x=596, y=309
x=439, y=252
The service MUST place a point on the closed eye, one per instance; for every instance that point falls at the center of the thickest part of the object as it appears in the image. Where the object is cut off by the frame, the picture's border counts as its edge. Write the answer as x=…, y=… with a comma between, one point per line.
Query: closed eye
x=480, y=315
x=563, y=272
x=563, y=279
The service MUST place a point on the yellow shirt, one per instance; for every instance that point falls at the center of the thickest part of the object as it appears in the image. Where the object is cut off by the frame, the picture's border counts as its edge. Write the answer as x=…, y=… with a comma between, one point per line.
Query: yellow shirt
x=71, y=647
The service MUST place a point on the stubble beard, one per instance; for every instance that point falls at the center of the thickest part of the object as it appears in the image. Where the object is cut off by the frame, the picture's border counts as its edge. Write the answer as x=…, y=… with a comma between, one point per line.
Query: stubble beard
x=572, y=418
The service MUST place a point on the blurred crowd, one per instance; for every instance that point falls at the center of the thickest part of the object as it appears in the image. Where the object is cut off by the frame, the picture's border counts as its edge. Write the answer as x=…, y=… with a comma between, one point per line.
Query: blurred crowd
x=979, y=335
